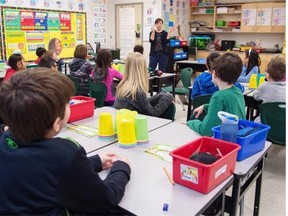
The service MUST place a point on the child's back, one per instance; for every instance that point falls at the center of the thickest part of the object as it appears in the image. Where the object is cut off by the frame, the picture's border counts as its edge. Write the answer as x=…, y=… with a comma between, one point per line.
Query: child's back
x=274, y=90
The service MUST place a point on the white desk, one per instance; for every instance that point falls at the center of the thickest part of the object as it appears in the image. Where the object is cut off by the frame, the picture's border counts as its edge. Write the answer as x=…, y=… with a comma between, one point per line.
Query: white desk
x=149, y=187
x=94, y=143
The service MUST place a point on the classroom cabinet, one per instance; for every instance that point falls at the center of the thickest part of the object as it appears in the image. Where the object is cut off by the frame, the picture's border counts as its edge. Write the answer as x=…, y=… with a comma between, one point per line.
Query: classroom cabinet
x=267, y=17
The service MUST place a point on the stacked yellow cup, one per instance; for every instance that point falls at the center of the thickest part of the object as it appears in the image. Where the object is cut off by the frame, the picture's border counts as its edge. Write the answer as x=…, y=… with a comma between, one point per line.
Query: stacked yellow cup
x=105, y=126
x=253, y=82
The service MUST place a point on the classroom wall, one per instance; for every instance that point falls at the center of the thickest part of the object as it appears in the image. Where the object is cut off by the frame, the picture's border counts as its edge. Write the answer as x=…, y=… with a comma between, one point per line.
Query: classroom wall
x=157, y=6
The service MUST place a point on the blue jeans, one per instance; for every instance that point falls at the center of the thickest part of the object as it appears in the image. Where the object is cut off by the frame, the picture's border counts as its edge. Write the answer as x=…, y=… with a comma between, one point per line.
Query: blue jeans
x=160, y=58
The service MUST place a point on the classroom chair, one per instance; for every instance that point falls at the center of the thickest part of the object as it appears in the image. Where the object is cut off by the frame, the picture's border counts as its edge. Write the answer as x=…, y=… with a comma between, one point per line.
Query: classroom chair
x=170, y=112
x=185, y=76
x=97, y=90
x=76, y=84
x=197, y=101
x=274, y=115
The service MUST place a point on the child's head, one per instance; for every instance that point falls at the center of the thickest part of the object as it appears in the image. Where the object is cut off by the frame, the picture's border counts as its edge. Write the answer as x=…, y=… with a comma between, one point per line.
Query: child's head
x=17, y=62
x=104, y=58
x=81, y=51
x=48, y=62
x=210, y=60
x=51, y=53
x=40, y=51
x=251, y=59
x=32, y=105
x=228, y=67
x=135, y=76
x=276, y=68
x=139, y=48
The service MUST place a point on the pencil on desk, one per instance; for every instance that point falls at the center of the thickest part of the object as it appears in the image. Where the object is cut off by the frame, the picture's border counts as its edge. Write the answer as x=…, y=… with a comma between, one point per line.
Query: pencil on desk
x=169, y=176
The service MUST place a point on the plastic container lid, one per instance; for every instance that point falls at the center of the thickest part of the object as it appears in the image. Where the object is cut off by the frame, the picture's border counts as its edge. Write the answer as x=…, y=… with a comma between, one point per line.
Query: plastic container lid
x=228, y=118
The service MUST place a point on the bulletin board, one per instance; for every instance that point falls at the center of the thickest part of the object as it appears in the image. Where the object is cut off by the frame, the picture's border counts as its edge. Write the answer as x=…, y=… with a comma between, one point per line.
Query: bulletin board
x=27, y=29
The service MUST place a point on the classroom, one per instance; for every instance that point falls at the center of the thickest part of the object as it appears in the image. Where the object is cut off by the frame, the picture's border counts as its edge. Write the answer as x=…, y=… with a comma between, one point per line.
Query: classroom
x=202, y=131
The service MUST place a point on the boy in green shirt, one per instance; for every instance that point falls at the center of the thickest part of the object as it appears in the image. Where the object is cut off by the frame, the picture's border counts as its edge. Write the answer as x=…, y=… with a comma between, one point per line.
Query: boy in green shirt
x=229, y=98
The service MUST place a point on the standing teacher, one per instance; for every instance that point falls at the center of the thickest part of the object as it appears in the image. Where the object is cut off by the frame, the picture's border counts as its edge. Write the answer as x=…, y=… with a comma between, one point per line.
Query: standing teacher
x=159, y=40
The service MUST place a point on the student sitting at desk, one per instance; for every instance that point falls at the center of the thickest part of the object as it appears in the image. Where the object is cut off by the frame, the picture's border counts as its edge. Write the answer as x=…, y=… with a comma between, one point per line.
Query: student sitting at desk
x=48, y=62
x=81, y=69
x=44, y=174
x=40, y=51
x=251, y=63
x=105, y=73
x=229, y=98
x=16, y=63
x=274, y=90
x=133, y=88
x=203, y=84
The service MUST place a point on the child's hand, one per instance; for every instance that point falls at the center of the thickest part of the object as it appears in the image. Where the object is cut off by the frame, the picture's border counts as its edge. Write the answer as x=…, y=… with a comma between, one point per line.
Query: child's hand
x=124, y=159
x=107, y=160
x=199, y=111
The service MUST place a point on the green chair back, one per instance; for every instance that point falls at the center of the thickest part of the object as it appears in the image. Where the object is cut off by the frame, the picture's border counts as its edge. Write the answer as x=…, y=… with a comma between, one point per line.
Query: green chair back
x=170, y=112
x=186, y=75
x=199, y=101
x=274, y=115
x=76, y=84
x=97, y=90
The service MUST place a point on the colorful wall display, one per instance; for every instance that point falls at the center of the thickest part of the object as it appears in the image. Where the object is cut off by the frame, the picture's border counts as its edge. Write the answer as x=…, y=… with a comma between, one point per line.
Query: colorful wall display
x=27, y=29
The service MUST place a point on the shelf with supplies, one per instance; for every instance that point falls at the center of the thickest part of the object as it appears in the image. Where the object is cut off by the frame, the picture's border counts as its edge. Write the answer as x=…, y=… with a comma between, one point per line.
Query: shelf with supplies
x=176, y=53
x=261, y=17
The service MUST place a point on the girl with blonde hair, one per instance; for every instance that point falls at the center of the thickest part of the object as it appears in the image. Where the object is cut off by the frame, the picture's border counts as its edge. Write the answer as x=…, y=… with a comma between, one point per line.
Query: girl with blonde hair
x=133, y=88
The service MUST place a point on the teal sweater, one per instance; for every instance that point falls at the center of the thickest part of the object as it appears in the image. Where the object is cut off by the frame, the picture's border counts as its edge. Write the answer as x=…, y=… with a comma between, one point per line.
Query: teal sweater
x=229, y=100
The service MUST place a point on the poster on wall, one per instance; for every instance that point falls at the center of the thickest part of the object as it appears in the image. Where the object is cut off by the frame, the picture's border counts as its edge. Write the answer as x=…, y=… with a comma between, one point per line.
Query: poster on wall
x=127, y=34
x=27, y=29
x=99, y=21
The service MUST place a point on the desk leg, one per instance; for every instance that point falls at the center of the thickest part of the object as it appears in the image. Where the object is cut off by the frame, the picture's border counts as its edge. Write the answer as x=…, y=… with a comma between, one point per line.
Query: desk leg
x=235, y=196
x=65, y=68
x=258, y=188
x=189, y=106
x=173, y=86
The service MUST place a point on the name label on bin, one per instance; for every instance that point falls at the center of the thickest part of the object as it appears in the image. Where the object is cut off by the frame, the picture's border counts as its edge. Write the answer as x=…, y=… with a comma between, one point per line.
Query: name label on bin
x=189, y=173
x=220, y=171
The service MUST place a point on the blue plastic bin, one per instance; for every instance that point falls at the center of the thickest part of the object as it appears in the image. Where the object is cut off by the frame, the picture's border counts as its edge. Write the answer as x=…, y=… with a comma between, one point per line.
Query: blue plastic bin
x=174, y=43
x=250, y=144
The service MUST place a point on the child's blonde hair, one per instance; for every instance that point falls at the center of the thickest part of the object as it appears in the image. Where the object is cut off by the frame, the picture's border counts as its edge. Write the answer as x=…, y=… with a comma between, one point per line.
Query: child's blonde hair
x=135, y=77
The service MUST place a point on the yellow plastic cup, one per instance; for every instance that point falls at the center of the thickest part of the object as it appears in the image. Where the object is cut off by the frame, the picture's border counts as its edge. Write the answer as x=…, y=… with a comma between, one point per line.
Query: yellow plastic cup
x=105, y=127
x=141, y=129
x=262, y=80
x=123, y=114
x=126, y=134
x=121, y=68
x=253, y=82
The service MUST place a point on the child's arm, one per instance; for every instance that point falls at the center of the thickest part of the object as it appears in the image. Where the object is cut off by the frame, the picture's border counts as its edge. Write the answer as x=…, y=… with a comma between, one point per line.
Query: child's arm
x=259, y=93
x=84, y=191
x=211, y=119
x=246, y=78
x=153, y=106
x=117, y=74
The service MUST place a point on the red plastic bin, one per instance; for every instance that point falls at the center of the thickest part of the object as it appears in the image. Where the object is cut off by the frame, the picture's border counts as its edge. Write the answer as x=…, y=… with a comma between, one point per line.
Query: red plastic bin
x=81, y=110
x=203, y=177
